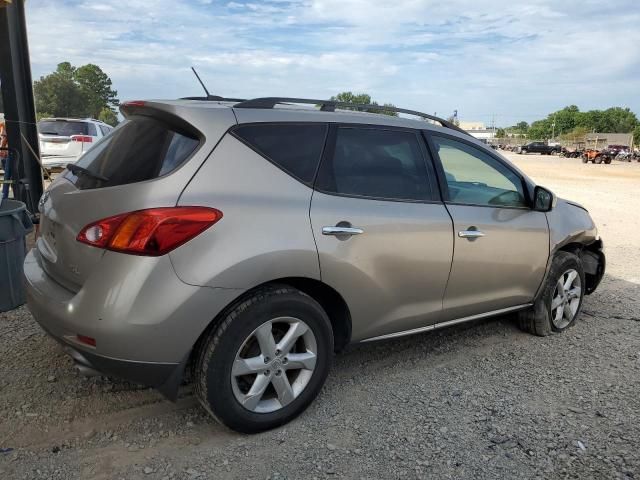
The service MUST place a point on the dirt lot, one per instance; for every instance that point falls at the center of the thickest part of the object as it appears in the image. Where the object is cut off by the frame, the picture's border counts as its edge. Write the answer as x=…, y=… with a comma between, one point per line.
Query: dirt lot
x=479, y=401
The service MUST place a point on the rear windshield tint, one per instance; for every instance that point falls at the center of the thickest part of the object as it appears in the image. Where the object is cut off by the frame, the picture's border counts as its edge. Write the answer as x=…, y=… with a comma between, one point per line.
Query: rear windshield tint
x=141, y=148
x=295, y=148
x=63, y=128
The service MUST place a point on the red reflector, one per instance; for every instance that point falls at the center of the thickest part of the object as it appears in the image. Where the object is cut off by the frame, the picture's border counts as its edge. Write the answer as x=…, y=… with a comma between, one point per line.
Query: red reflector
x=86, y=340
x=134, y=103
x=81, y=138
x=151, y=232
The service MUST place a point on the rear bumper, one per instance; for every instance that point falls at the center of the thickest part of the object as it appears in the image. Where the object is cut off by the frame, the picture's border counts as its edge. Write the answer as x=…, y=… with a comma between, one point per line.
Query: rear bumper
x=144, y=319
x=165, y=377
x=58, y=161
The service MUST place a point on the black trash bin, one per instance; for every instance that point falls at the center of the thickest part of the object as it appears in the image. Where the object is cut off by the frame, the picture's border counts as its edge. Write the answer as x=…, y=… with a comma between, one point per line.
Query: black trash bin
x=15, y=224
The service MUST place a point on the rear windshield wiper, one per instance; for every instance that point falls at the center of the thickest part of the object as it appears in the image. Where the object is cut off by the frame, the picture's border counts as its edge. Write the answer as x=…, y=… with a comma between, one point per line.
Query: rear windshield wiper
x=75, y=169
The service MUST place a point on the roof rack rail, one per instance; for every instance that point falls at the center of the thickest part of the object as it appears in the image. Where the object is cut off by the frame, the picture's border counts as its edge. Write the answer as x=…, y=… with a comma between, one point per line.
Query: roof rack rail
x=215, y=98
x=330, y=106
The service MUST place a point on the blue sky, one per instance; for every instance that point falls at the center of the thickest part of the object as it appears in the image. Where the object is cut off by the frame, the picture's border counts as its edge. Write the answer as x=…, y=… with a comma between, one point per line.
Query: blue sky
x=511, y=60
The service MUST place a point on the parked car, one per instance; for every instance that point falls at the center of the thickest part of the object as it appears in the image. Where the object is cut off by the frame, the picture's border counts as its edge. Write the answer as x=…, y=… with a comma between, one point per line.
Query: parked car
x=247, y=243
x=63, y=140
x=540, y=147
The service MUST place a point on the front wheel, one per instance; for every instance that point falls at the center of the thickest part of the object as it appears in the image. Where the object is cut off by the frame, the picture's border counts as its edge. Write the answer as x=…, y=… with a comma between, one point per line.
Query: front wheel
x=266, y=361
x=560, y=300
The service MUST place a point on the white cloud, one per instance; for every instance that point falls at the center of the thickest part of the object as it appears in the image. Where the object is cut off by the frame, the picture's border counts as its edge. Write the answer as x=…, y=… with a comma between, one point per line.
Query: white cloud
x=482, y=58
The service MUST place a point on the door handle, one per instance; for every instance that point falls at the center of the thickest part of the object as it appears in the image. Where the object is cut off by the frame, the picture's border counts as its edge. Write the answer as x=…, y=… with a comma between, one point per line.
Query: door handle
x=470, y=234
x=341, y=231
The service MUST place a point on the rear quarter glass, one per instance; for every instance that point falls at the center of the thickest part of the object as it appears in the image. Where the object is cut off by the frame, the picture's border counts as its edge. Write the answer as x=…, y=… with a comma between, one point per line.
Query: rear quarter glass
x=294, y=147
x=141, y=148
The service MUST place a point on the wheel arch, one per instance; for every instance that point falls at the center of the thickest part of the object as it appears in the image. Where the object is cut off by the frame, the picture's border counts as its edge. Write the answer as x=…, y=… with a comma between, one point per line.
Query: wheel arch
x=329, y=299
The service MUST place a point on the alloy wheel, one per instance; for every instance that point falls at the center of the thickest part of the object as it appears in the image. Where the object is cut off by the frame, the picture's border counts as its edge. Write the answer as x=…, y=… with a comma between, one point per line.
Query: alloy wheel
x=566, y=299
x=274, y=365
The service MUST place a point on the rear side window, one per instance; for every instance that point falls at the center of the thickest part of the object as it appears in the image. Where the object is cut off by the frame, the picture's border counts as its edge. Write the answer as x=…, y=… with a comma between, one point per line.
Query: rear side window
x=141, y=148
x=295, y=148
x=369, y=162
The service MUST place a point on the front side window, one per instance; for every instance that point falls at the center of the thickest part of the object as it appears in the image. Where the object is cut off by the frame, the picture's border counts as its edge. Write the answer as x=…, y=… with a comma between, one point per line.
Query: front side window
x=376, y=163
x=476, y=178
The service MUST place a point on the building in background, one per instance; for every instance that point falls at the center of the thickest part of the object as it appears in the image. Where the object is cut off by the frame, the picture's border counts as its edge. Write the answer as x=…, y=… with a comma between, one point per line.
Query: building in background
x=478, y=130
x=603, y=140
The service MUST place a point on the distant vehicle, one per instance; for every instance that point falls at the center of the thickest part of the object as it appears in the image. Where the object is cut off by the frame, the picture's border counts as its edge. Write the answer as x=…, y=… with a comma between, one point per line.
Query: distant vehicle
x=596, y=156
x=540, y=147
x=63, y=140
x=616, y=149
x=624, y=156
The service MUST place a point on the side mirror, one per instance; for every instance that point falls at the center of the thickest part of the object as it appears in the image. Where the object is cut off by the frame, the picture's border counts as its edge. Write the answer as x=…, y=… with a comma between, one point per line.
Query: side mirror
x=543, y=200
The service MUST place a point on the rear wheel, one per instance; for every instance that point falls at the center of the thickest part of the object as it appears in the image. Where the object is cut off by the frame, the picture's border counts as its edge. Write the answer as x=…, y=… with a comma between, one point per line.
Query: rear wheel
x=266, y=361
x=598, y=160
x=607, y=160
x=560, y=301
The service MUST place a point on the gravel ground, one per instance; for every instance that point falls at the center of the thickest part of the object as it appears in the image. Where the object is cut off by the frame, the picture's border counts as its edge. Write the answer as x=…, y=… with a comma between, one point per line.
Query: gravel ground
x=483, y=400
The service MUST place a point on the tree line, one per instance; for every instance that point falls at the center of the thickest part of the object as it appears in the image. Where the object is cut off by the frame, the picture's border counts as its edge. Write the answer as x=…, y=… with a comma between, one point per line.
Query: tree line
x=80, y=92
x=571, y=123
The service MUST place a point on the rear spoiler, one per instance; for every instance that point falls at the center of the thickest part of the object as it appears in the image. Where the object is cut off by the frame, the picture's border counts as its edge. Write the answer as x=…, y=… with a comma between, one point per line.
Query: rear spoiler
x=155, y=110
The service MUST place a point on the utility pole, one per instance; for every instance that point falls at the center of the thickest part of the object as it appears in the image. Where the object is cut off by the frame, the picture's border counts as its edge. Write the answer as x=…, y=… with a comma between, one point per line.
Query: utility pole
x=17, y=96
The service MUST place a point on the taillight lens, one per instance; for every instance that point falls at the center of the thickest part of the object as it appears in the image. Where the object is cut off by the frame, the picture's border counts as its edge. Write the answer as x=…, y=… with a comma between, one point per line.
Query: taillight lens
x=151, y=232
x=81, y=138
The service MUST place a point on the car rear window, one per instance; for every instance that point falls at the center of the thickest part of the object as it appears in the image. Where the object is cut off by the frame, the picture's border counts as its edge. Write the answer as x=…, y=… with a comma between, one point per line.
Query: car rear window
x=295, y=148
x=141, y=148
x=64, y=128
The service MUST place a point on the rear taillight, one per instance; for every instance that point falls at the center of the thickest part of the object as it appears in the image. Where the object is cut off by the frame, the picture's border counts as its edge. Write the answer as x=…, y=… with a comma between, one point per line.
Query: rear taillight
x=81, y=138
x=151, y=232
x=86, y=340
x=134, y=103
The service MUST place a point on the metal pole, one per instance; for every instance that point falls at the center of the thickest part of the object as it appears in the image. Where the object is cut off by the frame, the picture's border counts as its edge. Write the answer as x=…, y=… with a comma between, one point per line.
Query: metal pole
x=17, y=95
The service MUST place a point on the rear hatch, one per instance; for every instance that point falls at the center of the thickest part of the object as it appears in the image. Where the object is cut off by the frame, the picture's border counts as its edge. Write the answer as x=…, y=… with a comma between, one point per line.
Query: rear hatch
x=65, y=138
x=125, y=171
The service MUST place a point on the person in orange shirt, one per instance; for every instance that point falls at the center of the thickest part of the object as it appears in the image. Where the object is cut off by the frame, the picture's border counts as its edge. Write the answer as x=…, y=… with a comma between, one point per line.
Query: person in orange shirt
x=4, y=155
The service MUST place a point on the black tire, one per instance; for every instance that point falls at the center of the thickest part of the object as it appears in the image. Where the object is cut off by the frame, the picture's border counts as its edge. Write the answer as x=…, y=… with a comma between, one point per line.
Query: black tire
x=537, y=319
x=218, y=352
x=585, y=160
x=607, y=160
x=598, y=160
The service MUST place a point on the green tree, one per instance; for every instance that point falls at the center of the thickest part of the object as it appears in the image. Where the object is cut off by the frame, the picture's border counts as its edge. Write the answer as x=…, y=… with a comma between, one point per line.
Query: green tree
x=501, y=133
x=41, y=115
x=540, y=130
x=636, y=136
x=95, y=86
x=108, y=116
x=74, y=92
x=58, y=94
x=350, y=97
x=364, y=99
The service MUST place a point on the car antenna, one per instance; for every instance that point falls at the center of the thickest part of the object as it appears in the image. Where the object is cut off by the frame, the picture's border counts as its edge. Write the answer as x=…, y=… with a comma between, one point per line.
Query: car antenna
x=201, y=83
